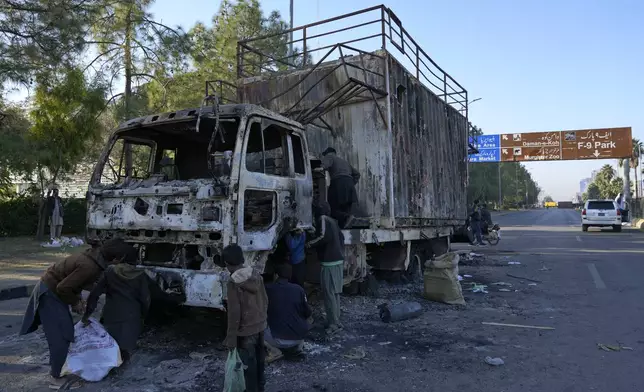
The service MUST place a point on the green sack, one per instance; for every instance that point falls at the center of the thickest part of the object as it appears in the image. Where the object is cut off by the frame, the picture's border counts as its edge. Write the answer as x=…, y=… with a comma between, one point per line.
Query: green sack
x=234, y=380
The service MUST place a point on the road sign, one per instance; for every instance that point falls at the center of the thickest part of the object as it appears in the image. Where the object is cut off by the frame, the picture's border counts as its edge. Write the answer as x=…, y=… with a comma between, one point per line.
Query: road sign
x=537, y=146
x=489, y=148
x=597, y=143
x=555, y=146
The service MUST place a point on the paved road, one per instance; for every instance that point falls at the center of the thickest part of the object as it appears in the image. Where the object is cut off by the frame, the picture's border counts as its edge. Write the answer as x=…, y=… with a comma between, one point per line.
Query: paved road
x=596, y=294
x=588, y=288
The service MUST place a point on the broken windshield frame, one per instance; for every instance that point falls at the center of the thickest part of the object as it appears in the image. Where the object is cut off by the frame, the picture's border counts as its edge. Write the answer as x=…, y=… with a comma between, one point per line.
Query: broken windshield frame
x=188, y=160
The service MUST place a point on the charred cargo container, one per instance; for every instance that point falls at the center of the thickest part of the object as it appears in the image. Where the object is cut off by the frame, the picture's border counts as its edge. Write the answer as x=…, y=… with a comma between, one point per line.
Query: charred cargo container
x=182, y=185
x=409, y=145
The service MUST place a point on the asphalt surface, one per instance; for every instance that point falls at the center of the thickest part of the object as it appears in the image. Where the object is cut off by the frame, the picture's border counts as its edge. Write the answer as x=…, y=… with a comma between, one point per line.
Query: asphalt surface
x=545, y=272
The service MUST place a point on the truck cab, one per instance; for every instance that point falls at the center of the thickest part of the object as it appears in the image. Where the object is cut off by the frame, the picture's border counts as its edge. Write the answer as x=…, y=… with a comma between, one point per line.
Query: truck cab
x=180, y=186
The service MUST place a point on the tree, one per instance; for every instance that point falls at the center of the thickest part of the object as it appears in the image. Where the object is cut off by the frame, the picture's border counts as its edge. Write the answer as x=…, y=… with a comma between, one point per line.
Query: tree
x=638, y=147
x=14, y=152
x=517, y=185
x=41, y=35
x=214, y=53
x=548, y=199
x=133, y=45
x=592, y=192
x=65, y=123
x=608, y=183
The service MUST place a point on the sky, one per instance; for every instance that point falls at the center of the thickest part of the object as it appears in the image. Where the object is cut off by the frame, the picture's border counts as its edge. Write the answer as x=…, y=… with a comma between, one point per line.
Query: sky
x=537, y=66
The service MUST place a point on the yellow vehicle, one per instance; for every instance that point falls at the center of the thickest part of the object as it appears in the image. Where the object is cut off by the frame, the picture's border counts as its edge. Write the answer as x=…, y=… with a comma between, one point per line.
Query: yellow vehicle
x=550, y=204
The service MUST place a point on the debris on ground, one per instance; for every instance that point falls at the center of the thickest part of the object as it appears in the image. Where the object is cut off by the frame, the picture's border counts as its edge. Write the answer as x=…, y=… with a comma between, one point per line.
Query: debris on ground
x=460, y=278
x=501, y=284
x=314, y=349
x=532, y=284
x=199, y=356
x=400, y=312
x=516, y=325
x=63, y=242
x=505, y=290
x=522, y=278
x=384, y=343
x=610, y=348
x=467, y=276
x=513, y=263
x=494, y=361
x=479, y=288
x=356, y=353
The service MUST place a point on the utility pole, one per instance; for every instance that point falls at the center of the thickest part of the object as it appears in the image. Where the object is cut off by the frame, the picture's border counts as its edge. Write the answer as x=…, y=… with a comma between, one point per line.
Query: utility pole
x=500, y=195
x=290, y=45
x=627, y=180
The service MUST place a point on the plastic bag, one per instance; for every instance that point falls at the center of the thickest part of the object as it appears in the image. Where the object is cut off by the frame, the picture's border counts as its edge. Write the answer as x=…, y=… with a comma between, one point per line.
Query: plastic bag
x=93, y=353
x=234, y=380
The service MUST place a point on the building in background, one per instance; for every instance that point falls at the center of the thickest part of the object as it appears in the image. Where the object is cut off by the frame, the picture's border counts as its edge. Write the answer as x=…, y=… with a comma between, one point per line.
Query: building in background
x=583, y=184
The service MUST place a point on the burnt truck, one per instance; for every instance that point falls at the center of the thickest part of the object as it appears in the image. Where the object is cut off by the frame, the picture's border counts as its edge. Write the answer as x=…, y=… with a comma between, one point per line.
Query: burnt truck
x=182, y=185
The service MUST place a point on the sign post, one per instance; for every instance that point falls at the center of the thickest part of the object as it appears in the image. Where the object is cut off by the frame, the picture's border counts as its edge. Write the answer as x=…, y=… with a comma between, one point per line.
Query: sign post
x=603, y=143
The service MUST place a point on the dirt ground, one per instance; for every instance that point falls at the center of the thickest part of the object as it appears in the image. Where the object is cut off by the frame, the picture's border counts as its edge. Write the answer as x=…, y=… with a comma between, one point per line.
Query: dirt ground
x=587, y=286
x=179, y=349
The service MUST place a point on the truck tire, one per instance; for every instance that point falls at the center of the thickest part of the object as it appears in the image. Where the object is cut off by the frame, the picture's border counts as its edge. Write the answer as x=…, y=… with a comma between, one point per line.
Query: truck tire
x=584, y=228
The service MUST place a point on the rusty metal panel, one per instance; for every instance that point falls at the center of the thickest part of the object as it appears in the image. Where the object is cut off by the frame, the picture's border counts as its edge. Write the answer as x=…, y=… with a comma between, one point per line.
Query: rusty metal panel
x=429, y=152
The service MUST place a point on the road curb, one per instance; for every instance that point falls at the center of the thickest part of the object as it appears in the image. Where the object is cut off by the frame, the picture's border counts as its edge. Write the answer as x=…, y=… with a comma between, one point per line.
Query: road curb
x=638, y=223
x=16, y=292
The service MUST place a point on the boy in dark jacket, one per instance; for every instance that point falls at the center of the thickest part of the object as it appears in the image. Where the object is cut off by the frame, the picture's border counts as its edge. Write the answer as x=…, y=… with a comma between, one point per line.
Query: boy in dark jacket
x=288, y=312
x=329, y=242
x=127, y=302
x=60, y=287
x=247, y=306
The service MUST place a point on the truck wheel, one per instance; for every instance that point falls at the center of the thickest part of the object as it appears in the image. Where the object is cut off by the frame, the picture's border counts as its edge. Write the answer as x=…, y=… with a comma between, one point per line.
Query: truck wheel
x=584, y=228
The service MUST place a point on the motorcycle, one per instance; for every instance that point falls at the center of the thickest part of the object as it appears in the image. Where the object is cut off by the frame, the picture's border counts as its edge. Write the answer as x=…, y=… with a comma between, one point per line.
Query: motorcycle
x=490, y=234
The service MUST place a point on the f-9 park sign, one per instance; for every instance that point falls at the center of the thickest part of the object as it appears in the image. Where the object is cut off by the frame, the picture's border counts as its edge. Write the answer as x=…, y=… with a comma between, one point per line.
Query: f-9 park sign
x=604, y=143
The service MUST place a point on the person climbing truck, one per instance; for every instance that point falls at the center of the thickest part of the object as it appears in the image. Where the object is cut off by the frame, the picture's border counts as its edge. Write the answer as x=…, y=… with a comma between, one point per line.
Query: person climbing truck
x=342, y=190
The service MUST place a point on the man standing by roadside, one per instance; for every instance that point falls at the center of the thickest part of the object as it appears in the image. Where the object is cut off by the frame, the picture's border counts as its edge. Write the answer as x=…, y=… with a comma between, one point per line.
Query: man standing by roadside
x=61, y=286
x=288, y=312
x=247, y=307
x=55, y=213
x=475, y=223
x=330, y=243
x=342, y=190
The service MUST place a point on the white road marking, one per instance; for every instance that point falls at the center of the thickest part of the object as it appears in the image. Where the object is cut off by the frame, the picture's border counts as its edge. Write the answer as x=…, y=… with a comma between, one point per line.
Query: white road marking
x=578, y=238
x=599, y=283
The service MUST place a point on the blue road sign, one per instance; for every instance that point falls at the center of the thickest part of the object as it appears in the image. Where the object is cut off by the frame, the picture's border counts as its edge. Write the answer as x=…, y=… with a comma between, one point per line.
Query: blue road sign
x=486, y=141
x=489, y=147
x=486, y=155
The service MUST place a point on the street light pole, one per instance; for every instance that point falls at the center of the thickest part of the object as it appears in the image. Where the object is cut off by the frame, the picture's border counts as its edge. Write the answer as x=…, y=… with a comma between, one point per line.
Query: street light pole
x=500, y=195
x=290, y=45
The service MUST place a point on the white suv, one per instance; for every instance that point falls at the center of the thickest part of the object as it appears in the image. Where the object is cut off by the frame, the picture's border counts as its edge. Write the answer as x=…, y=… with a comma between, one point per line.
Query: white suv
x=601, y=213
